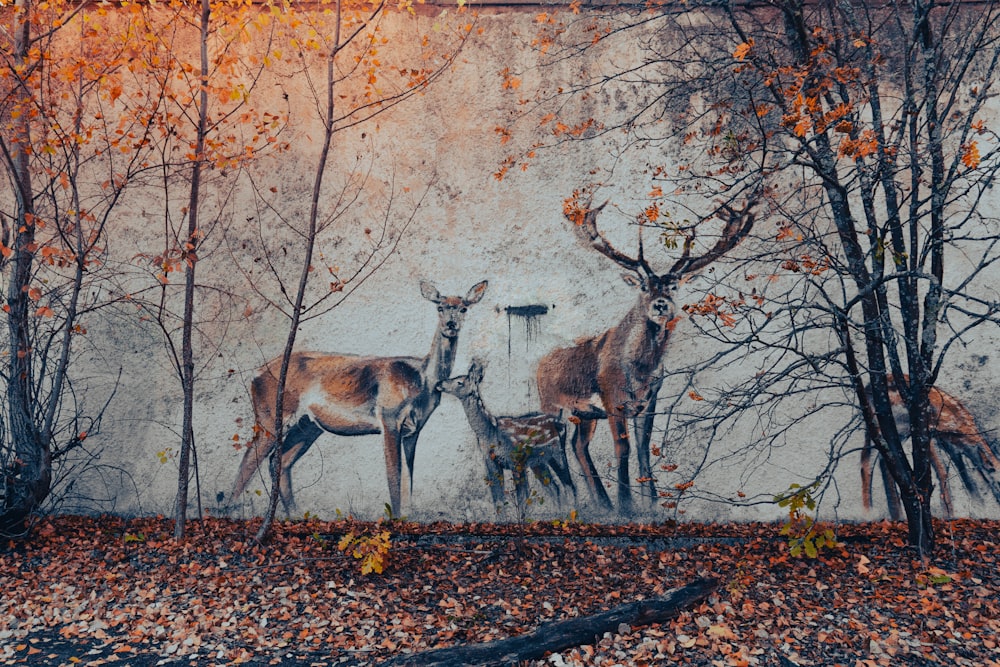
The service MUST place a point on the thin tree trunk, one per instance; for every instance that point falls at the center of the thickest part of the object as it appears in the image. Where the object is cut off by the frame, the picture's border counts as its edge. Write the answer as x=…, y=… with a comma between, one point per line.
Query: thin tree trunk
x=300, y=292
x=30, y=479
x=190, y=255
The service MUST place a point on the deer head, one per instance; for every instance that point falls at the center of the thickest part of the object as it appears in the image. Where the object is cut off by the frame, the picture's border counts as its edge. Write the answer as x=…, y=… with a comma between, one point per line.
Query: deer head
x=452, y=309
x=464, y=386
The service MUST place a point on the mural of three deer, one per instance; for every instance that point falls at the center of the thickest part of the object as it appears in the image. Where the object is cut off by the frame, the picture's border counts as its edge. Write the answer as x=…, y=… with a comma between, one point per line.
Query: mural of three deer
x=352, y=395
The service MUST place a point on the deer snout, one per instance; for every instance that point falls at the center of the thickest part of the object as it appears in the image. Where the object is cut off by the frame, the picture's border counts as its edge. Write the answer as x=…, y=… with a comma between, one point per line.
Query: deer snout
x=663, y=307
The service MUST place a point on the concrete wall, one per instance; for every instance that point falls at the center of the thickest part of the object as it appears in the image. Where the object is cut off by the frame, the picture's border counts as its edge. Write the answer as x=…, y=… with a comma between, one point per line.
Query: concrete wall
x=469, y=227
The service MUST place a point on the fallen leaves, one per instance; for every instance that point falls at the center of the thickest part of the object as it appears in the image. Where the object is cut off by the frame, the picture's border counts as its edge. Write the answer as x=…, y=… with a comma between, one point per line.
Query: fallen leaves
x=81, y=592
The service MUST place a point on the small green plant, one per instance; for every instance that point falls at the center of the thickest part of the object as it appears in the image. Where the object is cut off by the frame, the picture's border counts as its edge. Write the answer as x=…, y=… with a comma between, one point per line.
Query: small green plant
x=804, y=533
x=390, y=517
x=132, y=538
x=371, y=548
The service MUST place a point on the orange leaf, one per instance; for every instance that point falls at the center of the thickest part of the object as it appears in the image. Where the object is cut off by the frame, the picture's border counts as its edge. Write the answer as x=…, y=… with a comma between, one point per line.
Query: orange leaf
x=742, y=50
x=970, y=155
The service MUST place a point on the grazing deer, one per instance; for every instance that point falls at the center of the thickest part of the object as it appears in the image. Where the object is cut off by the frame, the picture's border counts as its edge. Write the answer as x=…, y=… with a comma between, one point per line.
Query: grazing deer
x=351, y=395
x=619, y=365
x=953, y=432
x=536, y=441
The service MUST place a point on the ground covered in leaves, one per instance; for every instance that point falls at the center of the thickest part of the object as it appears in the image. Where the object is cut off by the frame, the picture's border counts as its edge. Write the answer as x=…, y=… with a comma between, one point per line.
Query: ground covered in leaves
x=95, y=591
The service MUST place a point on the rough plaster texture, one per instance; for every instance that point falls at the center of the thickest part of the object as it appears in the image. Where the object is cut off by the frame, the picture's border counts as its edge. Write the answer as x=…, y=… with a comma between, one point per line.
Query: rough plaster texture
x=470, y=227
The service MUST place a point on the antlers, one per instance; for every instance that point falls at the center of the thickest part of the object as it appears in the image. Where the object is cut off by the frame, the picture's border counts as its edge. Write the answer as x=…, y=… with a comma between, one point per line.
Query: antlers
x=737, y=227
x=587, y=228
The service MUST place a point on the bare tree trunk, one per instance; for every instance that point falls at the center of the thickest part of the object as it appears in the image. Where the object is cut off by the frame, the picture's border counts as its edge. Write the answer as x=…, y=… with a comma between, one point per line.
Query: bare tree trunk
x=190, y=255
x=300, y=292
x=28, y=481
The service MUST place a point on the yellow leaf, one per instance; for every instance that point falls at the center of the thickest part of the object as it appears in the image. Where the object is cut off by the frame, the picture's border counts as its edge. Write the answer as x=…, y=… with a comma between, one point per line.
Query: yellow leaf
x=345, y=542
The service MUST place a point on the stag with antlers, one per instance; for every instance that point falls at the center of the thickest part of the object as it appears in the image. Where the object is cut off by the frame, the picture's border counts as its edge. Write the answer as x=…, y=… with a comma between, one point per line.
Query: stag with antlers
x=954, y=433
x=351, y=395
x=619, y=365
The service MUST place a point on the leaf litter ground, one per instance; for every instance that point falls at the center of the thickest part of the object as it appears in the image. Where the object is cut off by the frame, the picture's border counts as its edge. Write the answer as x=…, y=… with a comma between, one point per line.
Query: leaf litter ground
x=96, y=591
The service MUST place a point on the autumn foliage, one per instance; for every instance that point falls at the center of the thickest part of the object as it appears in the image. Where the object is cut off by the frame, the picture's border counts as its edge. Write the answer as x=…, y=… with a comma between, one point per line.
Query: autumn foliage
x=867, y=128
x=96, y=590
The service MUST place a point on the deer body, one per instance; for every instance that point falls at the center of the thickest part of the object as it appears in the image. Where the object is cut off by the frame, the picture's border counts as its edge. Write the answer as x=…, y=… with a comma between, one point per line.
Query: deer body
x=619, y=367
x=534, y=441
x=353, y=395
x=954, y=433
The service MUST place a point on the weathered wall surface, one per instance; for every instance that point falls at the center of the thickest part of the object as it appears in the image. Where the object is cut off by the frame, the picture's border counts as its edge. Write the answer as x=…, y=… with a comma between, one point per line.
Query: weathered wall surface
x=470, y=227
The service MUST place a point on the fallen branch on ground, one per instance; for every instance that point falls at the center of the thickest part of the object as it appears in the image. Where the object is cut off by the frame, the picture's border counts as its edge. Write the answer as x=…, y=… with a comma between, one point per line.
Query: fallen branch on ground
x=564, y=634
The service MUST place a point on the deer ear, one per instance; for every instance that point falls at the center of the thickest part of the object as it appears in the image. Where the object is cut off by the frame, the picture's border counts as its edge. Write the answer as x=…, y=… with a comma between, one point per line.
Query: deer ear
x=476, y=293
x=634, y=280
x=476, y=371
x=429, y=292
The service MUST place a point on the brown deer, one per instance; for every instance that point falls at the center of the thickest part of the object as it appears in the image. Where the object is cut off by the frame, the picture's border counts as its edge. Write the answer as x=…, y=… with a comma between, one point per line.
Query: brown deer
x=619, y=366
x=534, y=441
x=954, y=433
x=352, y=395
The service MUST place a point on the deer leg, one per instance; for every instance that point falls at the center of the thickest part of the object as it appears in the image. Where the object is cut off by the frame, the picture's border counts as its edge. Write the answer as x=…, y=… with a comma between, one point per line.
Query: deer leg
x=257, y=452
x=582, y=434
x=409, y=452
x=543, y=473
x=393, y=464
x=642, y=425
x=891, y=492
x=866, y=473
x=494, y=478
x=561, y=469
x=520, y=485
x=988, y=463
x=985, y=463
x=619, y=431
x=957, y=452
x=297, y=442
x=942, y=475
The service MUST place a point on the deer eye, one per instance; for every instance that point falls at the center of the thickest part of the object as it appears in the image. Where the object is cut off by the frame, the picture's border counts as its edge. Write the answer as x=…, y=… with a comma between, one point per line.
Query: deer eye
x=462, y=309
x=440, y=309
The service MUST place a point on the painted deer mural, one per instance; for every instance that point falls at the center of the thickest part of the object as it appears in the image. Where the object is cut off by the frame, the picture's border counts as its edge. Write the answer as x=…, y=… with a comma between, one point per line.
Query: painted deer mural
x=534, y=441
x=353, y=395
x=954, y=433
x=619, y=366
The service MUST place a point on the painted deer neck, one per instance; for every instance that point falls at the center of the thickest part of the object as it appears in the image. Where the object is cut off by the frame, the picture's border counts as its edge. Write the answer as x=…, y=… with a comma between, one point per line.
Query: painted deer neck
x=482, y=422
x=438, y=362
x=642, y=339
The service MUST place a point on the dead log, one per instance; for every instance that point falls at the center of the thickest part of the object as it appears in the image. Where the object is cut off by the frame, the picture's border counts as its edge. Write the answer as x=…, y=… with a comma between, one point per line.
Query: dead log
x=564, y=634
